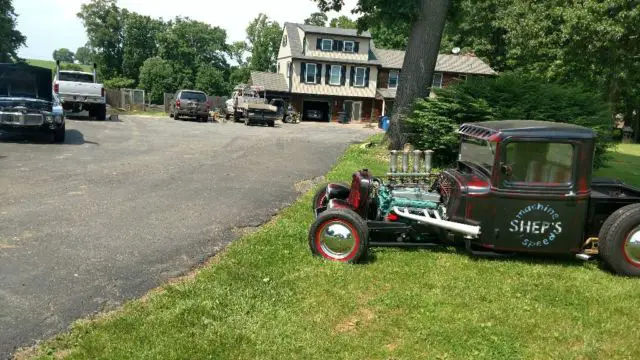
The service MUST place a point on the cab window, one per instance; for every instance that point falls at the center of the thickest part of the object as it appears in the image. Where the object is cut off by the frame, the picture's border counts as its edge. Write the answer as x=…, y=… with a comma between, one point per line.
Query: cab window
x=538, y=163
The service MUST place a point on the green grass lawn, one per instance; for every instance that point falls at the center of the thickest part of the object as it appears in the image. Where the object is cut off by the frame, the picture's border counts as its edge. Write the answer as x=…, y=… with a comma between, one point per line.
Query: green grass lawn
x=50, y=64
x=266, y=297
x=625, y=164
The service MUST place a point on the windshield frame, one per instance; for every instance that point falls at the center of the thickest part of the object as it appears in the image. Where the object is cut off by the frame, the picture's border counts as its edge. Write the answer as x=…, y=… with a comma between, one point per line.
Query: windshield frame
x=487, y=159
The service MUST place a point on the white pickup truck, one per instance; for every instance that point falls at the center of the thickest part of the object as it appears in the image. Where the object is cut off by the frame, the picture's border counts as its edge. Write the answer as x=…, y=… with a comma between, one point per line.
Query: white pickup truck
x=79, y=91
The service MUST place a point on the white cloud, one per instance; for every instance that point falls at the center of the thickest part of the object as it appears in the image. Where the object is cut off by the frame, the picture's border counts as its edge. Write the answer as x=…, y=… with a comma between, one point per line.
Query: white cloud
x=52, y=24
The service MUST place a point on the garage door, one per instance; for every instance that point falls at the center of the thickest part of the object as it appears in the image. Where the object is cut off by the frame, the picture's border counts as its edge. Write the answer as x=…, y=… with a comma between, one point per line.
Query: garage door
x=315, y=111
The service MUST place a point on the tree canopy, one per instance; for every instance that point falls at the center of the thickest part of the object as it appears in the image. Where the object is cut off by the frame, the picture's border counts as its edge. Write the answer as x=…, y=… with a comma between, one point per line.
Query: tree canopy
x=317, y=18
x=263, y=36
x=84, y=55
x=10, y=38
x=343, y=22
x=64, y=55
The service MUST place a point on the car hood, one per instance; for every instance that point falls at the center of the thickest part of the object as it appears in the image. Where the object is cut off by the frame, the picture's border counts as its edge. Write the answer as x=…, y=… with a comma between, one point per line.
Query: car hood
x=23, y=82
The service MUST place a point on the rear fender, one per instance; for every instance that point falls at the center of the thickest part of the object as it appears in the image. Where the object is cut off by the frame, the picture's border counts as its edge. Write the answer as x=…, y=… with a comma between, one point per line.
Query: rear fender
x=338, y=191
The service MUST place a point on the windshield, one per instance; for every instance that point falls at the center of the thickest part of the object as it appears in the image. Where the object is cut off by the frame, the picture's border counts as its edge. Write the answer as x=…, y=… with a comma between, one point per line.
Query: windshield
x=477, y=151
x=190, y=95
x=83, y=78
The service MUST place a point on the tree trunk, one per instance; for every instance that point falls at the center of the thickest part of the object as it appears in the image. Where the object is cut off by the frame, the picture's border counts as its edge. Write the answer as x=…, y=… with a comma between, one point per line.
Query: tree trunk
x=419, y=62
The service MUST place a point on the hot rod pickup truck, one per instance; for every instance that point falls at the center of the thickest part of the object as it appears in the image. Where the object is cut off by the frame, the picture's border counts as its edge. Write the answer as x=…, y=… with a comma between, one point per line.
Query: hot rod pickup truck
x=27, y=103
x=518, y=187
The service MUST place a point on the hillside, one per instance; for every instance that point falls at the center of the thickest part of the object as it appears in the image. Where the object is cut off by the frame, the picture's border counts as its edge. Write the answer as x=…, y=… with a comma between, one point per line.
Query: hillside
x=52, y=64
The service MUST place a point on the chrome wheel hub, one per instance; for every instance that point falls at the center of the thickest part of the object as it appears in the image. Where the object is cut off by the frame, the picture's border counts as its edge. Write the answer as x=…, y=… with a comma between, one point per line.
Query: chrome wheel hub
x=632, y=246
x=337, y=239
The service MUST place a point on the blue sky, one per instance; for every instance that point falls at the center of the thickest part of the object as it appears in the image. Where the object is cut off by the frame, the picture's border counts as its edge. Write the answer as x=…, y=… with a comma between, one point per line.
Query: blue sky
x=52, y=24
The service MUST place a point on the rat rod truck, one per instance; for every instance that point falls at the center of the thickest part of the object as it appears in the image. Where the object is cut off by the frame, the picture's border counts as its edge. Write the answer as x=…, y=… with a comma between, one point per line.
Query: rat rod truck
x=519, y=186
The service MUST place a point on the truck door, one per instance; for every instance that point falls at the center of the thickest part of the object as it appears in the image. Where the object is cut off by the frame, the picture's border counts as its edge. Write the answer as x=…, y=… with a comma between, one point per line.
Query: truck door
x=538, y=207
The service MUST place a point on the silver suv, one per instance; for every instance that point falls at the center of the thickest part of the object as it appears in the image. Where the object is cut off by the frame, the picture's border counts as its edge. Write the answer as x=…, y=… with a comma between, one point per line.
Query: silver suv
x=190, y=103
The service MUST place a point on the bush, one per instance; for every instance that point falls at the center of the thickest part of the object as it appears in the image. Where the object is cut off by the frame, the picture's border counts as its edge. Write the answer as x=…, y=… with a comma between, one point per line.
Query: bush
x=119, y=83
x=433, y=122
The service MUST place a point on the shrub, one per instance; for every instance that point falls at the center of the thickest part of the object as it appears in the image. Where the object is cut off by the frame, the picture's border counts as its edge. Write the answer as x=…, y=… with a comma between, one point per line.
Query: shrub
x=433, y=121
x=119, y=83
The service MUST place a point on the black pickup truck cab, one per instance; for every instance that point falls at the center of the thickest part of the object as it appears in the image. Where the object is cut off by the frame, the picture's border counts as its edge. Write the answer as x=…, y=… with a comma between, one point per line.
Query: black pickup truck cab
x=519, y=186
x=27, y=103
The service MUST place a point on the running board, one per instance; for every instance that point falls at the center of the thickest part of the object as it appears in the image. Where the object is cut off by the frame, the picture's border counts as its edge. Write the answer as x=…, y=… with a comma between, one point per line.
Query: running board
x=489, y=254
x=437, y=221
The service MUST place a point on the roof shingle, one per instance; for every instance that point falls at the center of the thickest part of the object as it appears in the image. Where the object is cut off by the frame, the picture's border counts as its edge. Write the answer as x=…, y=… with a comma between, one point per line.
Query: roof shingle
x=463, y=64
x=333, y=31
x=270, y=81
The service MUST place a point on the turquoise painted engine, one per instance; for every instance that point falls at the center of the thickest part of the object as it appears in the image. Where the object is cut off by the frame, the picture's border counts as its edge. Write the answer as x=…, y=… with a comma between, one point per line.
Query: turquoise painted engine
x=410, y=197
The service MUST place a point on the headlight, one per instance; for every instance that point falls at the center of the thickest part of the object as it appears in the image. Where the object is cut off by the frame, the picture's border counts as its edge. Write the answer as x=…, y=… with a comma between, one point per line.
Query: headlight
x=49, y=118
x=57, y=119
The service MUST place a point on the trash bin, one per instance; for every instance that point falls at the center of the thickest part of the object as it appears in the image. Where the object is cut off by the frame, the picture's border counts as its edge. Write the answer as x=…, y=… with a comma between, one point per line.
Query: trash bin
x=385, y=123
x=342, y=117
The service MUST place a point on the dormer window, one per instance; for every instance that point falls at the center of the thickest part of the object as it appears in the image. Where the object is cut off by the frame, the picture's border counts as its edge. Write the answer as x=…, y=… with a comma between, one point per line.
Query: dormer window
x=327, y=45
x=349, y=46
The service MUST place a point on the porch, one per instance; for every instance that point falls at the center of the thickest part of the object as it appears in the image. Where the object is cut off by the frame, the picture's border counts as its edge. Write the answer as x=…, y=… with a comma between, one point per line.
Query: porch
x=331, y=108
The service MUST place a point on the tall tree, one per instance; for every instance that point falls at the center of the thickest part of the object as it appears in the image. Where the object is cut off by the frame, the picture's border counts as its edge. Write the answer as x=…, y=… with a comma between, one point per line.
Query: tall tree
x=104, y=23
x=64, y=54
x=263, y=37
x=84, y=55
x=343, y=22
x=139, y=42
x=187, y=45
x=317, y=19
x=157, y=77
x=238, y=52
x=427, y=19
x=10, y=38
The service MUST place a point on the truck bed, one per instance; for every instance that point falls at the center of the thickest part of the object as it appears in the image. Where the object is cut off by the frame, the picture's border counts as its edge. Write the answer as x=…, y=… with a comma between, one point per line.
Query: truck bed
x=613, y=189
x=607, y=196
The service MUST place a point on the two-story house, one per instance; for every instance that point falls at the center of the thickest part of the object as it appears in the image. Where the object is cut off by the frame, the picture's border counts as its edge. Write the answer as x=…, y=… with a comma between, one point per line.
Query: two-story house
x=331, y=71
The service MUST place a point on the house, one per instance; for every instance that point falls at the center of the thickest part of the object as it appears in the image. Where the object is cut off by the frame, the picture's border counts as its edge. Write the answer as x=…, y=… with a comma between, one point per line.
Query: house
x=338, y=71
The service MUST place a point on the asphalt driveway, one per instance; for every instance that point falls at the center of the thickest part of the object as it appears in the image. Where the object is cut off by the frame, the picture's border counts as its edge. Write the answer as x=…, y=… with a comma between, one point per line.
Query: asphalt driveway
x=124, y=205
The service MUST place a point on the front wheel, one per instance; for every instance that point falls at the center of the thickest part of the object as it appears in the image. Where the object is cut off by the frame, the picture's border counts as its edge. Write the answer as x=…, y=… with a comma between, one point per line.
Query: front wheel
x=339, y=235
x=619, y=241
x=59, y=134
x=271, y=124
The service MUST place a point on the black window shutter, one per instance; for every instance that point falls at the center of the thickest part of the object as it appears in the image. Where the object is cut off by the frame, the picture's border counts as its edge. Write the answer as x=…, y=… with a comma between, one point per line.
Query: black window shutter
x=340, y=45
x=366, y=77
x=344, y=75
x=318, y=73
x=356, y=47
x=335, y=45
x=303, y=72
x=353, y=71
x=319, y=44
x=327, y=74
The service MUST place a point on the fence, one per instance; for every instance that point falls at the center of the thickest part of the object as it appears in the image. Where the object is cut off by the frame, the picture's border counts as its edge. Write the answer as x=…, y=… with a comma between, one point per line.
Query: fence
x=216, y=102
x=127, y=99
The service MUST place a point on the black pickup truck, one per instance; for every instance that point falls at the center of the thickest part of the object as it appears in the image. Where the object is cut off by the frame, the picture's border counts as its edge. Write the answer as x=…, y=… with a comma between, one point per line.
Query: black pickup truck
x=518, y=187
x=27, y=103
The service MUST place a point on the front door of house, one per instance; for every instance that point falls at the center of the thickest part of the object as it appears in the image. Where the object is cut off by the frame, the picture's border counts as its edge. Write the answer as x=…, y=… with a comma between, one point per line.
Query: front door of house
x=348, y=108
x=357, y=111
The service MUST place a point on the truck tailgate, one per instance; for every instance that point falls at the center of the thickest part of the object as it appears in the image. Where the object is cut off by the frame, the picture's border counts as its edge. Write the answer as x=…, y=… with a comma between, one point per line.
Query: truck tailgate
x=79, y=88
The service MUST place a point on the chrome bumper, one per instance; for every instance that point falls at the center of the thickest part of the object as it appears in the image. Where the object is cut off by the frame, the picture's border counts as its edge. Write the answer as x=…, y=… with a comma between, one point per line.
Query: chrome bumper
x=82, y=99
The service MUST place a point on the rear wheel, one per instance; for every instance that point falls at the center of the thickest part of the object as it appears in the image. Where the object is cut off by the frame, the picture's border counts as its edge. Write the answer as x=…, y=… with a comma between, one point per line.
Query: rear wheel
x=176, y=116
x=339, y=235
x=271, y=123
x=619, y=241
x=101, y=112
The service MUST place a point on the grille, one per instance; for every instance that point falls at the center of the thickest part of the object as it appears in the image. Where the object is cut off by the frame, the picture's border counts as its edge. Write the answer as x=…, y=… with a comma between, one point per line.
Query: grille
x=21, y=119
